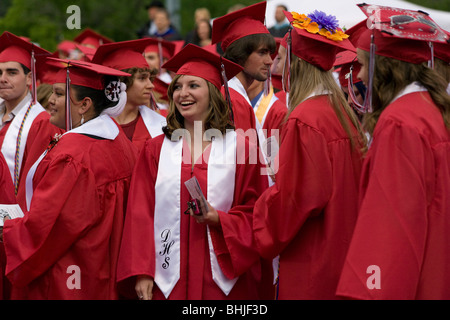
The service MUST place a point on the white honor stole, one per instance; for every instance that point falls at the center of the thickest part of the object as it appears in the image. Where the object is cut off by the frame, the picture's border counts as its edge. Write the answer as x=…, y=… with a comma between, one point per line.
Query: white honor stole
x=153, y=121
x=220, y=194
x=102, y=126
x=11, y=137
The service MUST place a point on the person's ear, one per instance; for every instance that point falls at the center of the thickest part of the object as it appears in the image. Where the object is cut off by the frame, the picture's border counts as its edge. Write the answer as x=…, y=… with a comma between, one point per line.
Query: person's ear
x=86, y=105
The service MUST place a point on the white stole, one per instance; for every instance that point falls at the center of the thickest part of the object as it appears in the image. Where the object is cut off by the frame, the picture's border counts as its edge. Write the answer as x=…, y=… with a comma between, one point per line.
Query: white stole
x=10, y=140
x=102, y=126
x=220, y=194
x=153, y=121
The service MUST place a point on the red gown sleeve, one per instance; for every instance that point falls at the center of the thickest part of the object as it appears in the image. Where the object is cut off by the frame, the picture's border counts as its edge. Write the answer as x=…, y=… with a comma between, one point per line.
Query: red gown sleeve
x=302, y=189
x=137, y=251
x=56, y=219
x=392, y=225
x=7, y=195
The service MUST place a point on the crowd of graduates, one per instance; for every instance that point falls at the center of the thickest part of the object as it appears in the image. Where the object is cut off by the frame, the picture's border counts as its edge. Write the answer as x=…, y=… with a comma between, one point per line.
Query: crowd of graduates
x=323, y=157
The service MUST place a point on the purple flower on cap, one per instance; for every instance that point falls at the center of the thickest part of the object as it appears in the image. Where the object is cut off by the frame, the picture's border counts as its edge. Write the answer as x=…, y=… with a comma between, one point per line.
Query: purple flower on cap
x=324, y=21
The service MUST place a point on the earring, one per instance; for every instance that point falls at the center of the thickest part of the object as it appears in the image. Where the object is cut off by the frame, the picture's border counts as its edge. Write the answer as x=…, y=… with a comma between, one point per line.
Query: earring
x=82, y=119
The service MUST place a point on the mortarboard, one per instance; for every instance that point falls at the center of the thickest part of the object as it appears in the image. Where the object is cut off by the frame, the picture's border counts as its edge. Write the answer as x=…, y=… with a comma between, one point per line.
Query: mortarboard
x=86, y=74
x=442, y=50
x=89, y=37
x=238, y=24
x=396, y=33
x=400, y=34
x=196, y=61
x=165, y=49
x=122, y=55
x=14, y=48
x=317, y=38
x=82, y=73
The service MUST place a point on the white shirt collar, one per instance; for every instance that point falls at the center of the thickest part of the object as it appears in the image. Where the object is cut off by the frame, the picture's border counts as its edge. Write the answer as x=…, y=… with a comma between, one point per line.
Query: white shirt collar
x=25, y=101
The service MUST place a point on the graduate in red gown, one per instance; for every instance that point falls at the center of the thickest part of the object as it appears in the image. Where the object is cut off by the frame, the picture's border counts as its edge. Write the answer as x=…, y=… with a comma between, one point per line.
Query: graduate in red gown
x=25, y=130
x=139, y=119
x=246, y=41
x=167, y=251
x=66, y=245
x=307, y=216
x=401, y=244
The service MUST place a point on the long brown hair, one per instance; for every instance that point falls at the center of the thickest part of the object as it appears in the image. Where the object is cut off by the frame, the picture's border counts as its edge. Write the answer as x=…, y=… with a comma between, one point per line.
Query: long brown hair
x=392, y=76
x=306, y=78
x=218, y=112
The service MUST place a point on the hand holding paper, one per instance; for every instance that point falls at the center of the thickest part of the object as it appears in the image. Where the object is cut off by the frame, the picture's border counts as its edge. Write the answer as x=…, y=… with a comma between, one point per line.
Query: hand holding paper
x=207, y=214
x=11, y=211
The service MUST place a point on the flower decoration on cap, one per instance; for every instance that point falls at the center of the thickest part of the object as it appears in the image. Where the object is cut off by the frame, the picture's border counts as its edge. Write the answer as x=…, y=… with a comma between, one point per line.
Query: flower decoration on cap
x=320, y=23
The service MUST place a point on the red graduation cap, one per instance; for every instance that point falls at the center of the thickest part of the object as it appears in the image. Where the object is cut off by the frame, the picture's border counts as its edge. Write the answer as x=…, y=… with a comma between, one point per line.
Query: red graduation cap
x=238, y=24
x=398, y=33
x=66, y=46
x=161, y=87
x=87, y=51
x=317, y=38
x=82, y=73
x=403, y=23
x=196, y=61
x=442, y=50
x=89, y=37
x=14, y=48
x=166, y=49
x=345, y=60
x=122, y=55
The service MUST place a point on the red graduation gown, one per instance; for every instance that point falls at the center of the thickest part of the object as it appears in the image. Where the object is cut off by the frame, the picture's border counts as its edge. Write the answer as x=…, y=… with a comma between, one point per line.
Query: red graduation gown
x=40, y=134
x=244, y=117
x=140, y=134
x=233, y=242
x=403, y=226
x=307, y=216
x=6, y=197
x=75, y=219
x=275, y=118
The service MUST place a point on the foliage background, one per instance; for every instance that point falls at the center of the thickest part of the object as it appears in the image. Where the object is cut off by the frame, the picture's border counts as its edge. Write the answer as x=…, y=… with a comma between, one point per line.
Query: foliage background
x=45, y=21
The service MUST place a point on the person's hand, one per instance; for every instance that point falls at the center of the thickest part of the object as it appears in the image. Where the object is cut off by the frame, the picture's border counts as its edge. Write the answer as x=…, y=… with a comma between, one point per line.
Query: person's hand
x=209, y=216
x=1, y=228
x=144, y=287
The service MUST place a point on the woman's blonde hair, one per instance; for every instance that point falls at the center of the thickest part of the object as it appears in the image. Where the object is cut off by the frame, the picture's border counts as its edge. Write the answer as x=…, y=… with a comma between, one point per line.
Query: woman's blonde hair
x=391, y=76
x=218, y=112
x=305, y=79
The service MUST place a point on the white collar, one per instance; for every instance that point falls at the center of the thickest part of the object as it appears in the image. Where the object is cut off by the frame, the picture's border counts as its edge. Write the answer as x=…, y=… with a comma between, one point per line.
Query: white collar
x=237, y=85
x=102, y=126
x=410, y=88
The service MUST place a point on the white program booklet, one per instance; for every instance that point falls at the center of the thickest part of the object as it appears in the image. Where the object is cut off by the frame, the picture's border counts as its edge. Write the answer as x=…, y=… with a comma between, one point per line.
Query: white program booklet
x=12, y=210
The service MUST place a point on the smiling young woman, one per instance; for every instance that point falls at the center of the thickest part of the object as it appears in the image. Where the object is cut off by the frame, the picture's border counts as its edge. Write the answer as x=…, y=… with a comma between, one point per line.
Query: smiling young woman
x=211, y=255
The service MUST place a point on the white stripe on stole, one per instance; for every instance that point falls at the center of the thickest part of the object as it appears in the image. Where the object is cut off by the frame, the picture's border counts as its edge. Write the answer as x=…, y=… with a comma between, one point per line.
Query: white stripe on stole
x=220, y=194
